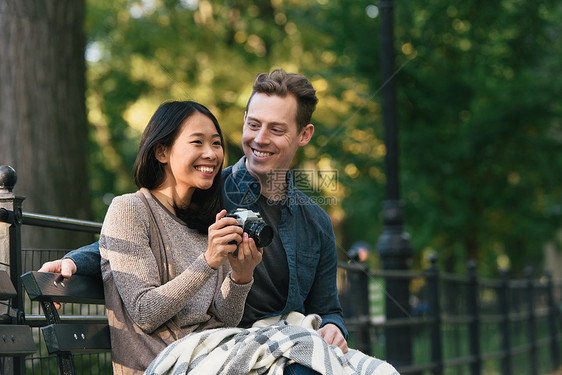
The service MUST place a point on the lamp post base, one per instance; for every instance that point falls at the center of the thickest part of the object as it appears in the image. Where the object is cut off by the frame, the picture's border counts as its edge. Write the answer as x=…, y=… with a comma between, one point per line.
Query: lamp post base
x=395, y=250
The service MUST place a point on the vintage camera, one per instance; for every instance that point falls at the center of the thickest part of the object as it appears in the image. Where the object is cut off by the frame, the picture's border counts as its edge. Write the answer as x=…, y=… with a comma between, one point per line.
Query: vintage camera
x=254, y=225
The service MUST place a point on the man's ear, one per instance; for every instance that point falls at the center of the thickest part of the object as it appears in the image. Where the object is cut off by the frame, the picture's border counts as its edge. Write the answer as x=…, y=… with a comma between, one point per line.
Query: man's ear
x=306, y=134
x=161, y=154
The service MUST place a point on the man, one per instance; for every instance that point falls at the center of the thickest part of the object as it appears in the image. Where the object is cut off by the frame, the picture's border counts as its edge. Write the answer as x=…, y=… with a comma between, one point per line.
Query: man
x=298, y=270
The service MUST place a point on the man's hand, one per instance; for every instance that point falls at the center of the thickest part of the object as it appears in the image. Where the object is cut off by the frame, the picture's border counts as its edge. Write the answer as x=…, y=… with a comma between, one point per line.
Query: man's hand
x=333, y=336
x=66, y=267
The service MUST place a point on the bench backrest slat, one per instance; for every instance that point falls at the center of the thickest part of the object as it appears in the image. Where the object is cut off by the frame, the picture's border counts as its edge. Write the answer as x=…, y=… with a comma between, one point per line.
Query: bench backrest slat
x=50, y=287
x=76, y=337
x=16, y=340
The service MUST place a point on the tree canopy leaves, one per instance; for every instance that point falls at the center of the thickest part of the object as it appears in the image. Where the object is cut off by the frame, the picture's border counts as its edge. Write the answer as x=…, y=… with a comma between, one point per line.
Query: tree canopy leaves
x=479, y=107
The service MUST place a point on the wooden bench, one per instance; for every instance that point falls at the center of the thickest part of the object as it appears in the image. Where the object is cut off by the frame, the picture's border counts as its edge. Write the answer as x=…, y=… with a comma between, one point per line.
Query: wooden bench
x=66, y=335
x=15, y=339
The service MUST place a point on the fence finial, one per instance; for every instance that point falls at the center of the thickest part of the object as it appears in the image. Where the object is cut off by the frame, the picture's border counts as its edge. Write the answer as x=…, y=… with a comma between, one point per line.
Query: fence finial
x=8, y=178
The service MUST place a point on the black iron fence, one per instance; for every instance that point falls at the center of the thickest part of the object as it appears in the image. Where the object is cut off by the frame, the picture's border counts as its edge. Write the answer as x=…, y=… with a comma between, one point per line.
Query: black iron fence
x=455, y=324
x=459, y=324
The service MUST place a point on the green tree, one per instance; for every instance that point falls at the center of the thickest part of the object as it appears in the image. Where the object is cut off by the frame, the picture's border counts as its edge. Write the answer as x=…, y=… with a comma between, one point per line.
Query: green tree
x=477, y=85
x=478, y=114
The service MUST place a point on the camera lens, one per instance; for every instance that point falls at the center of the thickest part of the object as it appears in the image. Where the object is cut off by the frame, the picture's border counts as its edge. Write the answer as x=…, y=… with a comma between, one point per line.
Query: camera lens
x=259, y=231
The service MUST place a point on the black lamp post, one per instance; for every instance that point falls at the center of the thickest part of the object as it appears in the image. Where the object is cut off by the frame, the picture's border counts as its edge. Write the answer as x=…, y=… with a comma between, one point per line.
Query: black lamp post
x=394, y=244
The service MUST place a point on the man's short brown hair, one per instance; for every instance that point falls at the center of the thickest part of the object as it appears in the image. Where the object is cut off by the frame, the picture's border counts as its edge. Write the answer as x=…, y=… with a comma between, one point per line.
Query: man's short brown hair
x=280, y=83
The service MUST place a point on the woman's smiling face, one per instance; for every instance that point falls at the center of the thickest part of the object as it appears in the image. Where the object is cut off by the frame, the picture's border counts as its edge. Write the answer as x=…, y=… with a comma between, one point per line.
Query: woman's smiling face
x=195, y=157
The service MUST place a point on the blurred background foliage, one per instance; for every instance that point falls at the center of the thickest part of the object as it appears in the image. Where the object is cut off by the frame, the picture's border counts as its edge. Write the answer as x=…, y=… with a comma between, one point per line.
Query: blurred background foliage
x=479, y=89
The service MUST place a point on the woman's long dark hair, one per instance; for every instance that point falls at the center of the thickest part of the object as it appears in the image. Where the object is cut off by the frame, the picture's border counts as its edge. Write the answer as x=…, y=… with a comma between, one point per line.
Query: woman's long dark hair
x=162, y=130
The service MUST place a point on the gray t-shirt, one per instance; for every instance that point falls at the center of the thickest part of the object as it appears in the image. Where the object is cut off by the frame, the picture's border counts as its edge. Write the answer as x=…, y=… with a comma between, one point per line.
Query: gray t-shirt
x=271, y=277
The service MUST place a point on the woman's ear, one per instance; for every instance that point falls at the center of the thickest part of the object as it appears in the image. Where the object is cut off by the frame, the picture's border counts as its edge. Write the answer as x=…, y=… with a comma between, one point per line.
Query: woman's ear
x=161, y=154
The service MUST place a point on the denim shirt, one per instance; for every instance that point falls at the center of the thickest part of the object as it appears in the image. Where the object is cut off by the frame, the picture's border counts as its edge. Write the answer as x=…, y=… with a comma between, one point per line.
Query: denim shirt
x=308, y=238
x=306, y=234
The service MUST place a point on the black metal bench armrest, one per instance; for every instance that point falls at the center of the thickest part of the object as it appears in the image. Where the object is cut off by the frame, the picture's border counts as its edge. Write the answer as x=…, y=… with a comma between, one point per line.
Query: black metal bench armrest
x=76, y=337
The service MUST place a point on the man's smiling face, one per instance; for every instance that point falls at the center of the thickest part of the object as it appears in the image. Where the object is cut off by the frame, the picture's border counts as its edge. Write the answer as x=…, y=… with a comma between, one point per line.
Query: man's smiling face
x=270, y=138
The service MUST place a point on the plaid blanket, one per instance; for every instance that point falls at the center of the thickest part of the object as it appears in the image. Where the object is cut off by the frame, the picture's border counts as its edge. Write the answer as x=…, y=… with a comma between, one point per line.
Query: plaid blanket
x=265, y=348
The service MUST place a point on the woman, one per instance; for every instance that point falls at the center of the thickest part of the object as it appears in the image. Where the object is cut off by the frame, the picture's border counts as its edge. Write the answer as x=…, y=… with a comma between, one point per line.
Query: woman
x=167, y=260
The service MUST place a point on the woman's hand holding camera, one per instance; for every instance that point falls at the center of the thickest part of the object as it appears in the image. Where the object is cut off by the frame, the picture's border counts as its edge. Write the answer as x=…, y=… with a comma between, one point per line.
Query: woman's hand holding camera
x=249, y=256
x=224, y=235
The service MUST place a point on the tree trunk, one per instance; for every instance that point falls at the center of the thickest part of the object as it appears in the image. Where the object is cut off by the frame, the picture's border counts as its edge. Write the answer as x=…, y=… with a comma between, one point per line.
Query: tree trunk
x=43, y=125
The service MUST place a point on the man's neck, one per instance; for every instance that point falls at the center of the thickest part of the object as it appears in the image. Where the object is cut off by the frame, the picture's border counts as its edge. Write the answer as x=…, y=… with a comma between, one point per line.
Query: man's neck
x=273, y=184
x=274, y=194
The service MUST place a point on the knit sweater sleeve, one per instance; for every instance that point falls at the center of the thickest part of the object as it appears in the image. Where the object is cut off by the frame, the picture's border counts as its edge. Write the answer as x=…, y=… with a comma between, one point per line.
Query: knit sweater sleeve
x=230, y=299
x=127, y=257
